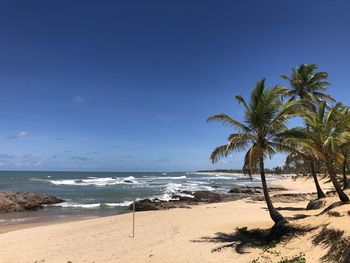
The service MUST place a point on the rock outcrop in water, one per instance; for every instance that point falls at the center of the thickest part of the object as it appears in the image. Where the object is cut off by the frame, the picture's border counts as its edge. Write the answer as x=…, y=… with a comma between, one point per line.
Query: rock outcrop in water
x=22, y=201
x=184, y=199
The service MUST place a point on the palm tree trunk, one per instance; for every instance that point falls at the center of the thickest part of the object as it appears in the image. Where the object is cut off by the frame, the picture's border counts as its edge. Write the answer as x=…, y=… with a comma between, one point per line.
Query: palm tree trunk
x=320, y=193
x=274, y=214
x=342, y=196
x=345, y=179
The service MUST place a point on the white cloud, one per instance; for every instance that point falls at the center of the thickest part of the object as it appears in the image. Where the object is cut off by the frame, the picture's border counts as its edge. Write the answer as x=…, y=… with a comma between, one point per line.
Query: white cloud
x=18, y=135
x=79, y=99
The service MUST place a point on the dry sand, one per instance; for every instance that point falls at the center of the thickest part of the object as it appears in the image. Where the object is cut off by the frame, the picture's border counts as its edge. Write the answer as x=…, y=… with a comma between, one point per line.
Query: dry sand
x=177, y=235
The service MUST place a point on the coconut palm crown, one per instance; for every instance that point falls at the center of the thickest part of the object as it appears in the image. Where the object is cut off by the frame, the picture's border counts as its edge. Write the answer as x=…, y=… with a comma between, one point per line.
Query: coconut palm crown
x=261, y=132
x=307, y=84
x=326, y=131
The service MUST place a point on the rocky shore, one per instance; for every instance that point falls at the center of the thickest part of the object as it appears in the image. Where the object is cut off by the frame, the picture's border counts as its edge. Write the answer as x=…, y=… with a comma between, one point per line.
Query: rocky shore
x=185, y=199
x=23, y=201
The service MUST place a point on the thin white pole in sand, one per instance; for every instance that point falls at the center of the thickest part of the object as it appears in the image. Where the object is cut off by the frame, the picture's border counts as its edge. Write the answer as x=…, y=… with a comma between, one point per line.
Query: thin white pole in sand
x=133, y=218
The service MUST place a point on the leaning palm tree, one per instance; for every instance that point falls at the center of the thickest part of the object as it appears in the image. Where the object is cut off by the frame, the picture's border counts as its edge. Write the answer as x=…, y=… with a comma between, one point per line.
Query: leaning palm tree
x=265, y=117
x=305, y=156
x=307, y=84
x=344, y=149
x=325, y=132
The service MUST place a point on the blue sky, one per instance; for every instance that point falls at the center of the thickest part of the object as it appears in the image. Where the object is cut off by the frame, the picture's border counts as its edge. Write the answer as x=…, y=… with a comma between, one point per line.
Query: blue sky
x=128, y=85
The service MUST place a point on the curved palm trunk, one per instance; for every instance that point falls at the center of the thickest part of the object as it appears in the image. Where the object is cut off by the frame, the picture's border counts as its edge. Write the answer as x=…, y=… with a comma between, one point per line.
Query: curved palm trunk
x=274, y=214
x=320, y=193
x=342, y=196
x=345, y=179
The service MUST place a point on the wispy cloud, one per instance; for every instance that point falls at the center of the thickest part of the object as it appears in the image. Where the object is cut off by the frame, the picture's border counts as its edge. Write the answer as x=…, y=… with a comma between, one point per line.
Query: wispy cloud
x=29, y=156
x=79, y=99
x=6, y=156
x=18, y=135
x=162, y=160
x=80, y=158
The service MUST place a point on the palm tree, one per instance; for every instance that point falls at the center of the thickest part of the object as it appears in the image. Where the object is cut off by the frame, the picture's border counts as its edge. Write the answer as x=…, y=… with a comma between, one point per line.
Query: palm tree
x=345, y=152
x=305, y=156
x=307, y=84
x=265, y=117
x=325, y=132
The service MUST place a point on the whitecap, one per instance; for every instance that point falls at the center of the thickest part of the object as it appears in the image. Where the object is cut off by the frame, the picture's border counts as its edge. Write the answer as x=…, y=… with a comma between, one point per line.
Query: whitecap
x=104, y=181
x=170, y=177
x=93, y=205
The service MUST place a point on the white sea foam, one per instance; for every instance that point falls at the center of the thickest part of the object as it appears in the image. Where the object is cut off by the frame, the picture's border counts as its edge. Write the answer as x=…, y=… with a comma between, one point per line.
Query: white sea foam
x=96, y=181
x=93, y=205
x=176, y=189
x=15, y=220
x=170, y=190
x=170, y=177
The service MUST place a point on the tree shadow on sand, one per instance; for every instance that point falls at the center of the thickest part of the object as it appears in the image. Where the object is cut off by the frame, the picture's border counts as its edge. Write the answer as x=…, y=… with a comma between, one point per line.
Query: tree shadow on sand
x=290, y=208
x=244, y=238
x=338, y=245
x=294, y=217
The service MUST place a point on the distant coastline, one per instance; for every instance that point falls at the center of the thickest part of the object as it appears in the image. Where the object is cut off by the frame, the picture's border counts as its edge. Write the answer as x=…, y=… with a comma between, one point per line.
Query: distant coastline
x=273, y=171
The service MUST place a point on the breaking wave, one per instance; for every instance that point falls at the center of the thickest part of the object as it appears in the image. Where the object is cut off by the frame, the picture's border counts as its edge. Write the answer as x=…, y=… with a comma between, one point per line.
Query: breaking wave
x=93, y=205
x=96, y=181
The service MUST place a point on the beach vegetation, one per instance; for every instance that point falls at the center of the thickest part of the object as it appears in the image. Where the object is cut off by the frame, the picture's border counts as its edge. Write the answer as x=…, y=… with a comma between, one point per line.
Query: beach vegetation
x=326, y=130
x=260, y=134
x=321, y=143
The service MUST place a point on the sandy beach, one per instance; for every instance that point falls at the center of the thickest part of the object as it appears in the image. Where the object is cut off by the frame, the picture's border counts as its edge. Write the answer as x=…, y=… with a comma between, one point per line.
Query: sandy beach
x=176, y=235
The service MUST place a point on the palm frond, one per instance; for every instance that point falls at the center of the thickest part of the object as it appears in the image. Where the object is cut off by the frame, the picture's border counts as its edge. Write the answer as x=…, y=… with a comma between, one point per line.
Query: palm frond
x=225, y=119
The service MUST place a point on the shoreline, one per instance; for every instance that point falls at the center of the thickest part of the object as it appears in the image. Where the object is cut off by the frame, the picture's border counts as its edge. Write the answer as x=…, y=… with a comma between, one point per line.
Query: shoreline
x=202, y=233
x=243, y=175
x=40, y=217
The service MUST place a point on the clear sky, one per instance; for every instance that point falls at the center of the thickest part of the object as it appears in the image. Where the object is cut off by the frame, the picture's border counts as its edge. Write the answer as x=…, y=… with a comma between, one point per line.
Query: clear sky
x=128, y=85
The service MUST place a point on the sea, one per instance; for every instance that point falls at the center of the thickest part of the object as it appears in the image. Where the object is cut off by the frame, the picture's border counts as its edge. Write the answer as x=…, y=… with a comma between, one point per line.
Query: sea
x=94, y=194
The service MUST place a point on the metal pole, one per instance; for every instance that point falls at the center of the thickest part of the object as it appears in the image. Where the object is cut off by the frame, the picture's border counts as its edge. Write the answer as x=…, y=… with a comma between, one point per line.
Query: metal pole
x=133, y=218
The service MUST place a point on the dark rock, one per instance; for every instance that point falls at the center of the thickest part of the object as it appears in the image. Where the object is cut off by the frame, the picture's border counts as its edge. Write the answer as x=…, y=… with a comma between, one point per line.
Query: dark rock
x=128, y=181
x=236, y=190
x=316, y=204
x=184, y=199
x=252, y=190
x=22, y=201
x=246, y=190
x=202, y=196
x=147, y=205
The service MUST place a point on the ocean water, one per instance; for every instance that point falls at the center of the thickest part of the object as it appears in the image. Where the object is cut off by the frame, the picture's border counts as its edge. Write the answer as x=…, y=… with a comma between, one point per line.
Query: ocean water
x=106, y=193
